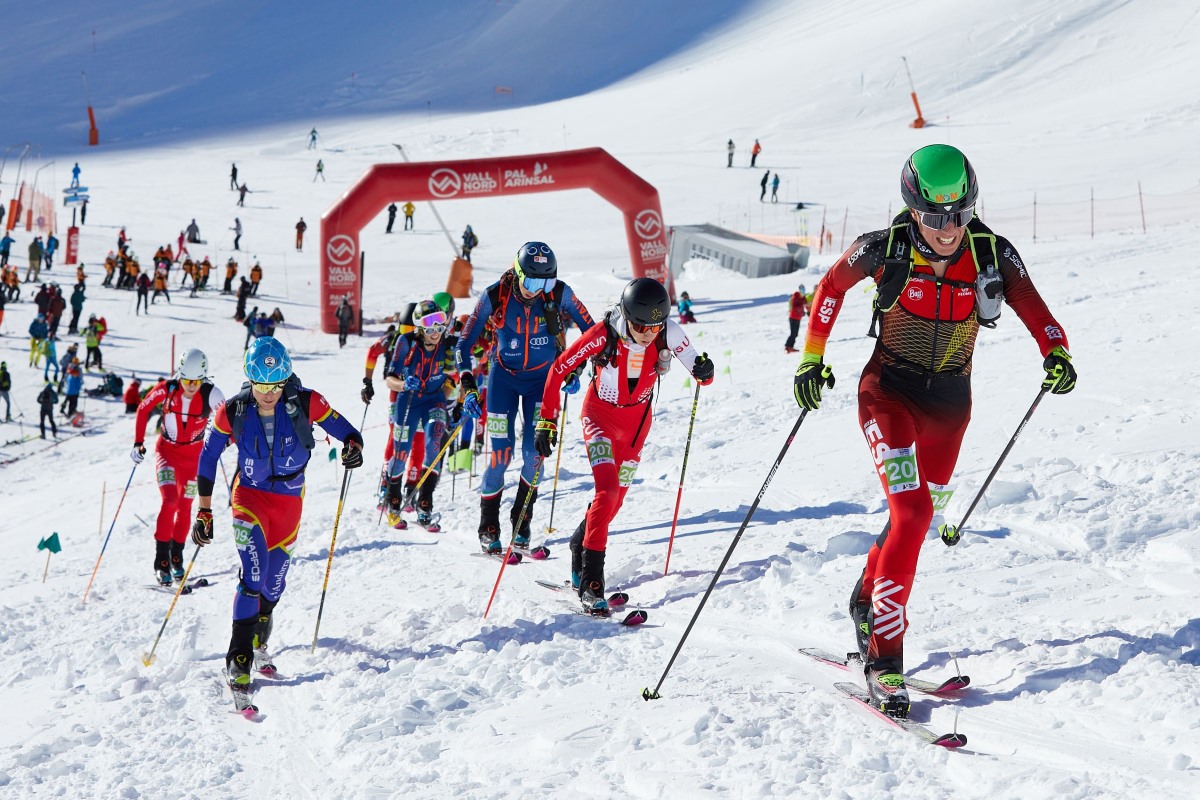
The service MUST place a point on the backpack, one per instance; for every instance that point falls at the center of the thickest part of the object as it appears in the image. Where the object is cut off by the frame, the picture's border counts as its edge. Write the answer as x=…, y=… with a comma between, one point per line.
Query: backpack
x=609, y=352
x=296, y=401
x=898, y=263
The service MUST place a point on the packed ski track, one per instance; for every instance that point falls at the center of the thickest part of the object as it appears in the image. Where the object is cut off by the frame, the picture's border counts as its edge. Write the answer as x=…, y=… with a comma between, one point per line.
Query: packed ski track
x=1069, y=601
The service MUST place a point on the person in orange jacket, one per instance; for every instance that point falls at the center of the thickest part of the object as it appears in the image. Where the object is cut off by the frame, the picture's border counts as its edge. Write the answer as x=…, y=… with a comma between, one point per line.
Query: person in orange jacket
x=255, y=277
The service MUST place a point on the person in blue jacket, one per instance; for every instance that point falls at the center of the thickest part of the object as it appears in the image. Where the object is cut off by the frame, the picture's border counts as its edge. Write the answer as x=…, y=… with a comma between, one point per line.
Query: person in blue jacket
x=74, y=385
x=51, y=249
x=422, y=360
x=6, y=249
x=270, y=421
x=38, y=330
x=526, y=308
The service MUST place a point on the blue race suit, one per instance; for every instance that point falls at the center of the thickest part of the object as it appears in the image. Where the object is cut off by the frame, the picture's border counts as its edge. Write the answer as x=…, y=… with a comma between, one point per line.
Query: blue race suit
x=424, y=408
x=521, y=358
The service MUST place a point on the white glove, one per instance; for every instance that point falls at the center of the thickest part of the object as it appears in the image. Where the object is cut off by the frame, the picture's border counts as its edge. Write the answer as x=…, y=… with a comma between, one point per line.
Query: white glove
x=138, y=453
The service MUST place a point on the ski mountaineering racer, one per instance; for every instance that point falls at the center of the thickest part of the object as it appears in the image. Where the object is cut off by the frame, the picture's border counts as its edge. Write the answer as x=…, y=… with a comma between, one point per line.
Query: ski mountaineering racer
x=630, y=349
x=187, y=402
x=940, y=273
x=270, y=421
x=525, y=308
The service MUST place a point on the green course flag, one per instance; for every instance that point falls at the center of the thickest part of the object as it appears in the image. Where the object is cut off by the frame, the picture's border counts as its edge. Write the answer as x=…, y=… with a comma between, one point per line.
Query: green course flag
x=333, y=454
x=50, y=543
x=687, y=383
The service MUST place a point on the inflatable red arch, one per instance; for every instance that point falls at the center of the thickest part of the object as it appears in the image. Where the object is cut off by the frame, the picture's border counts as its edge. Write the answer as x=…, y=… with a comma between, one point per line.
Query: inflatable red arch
x=592, y=168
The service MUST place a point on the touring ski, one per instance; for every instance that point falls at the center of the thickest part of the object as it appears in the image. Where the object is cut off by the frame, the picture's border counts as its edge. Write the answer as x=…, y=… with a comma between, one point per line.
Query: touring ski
x=243, y=698
x=616, y=601
x=199, y=583
x=946, y=687
x=951, y=741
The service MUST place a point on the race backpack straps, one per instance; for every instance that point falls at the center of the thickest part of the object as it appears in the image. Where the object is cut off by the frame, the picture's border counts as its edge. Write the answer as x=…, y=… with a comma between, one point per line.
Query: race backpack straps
x=989, y=284
x=897, y=268
x=552, y=312
x=296, y=401
x=609, y=351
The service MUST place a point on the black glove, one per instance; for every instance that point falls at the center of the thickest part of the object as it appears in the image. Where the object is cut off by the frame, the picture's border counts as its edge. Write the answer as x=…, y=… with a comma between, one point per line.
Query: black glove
x=352, y=457
x=454, y=412
x=202, y=532
x=703, y=370
x=368, y=391
x=466, y=380
x=545, y=436
x=811, y=376
x=1060, y=375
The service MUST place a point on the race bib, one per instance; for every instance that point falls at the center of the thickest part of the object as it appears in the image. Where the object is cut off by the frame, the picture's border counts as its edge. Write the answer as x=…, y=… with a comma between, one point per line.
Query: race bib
x=600, y=451
x=627, y=471
x=497, y=426
x=941, y=496
x=900, y=469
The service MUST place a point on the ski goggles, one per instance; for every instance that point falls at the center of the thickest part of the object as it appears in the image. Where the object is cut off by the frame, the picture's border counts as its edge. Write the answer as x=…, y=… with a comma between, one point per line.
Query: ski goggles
x=435, y=321
x=653, y=328
x=267, y=388
x=938, y=220
x=190, y=383
x=536, y=285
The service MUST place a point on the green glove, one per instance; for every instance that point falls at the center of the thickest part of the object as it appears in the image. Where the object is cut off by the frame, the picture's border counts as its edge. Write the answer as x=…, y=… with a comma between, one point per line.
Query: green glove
x=1060, y=375
x=811, y=376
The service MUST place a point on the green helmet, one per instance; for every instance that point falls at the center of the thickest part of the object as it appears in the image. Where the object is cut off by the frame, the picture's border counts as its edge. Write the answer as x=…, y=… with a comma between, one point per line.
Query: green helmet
x=445, y=302
x=938, y=177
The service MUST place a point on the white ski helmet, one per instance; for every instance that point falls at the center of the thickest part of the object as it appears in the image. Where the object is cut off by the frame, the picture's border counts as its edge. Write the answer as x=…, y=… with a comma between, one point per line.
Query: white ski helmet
x=193, y=365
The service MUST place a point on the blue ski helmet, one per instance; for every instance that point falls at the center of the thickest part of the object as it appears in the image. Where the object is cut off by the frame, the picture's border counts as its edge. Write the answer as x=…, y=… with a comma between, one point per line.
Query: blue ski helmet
x=267, y=361
x=536, y=260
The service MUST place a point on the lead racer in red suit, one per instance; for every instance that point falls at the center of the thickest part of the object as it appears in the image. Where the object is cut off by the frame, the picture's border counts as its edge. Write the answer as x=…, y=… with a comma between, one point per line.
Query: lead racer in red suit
x=941, y=274
x=629, y=351
x=187, y=402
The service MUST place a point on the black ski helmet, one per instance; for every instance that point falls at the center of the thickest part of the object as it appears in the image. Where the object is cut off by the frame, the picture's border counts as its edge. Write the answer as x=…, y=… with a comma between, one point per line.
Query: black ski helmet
x=536, y=260
x=938, y=177
x=645, y=302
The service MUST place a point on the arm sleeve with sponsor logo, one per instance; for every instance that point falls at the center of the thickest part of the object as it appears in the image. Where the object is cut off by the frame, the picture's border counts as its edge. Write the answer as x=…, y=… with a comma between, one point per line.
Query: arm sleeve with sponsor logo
x=680, y=345
x=576, y=309
x=573, y=359
x=861, y=261
x=472, y=331
x=399, y=357
x=152, y=399
x=378, y=348
x=220, y=435
x=1022, y=295
x=333, y=423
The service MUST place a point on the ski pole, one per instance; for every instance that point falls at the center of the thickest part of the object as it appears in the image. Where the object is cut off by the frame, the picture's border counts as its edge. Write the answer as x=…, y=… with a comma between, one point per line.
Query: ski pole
x=537, y=470
x=429, y=470
x=654, y=695
x=225, y=476
x=109, y=536
x=952, y=534
x=329, y=562
x=562, y=424
x=683, y=471
x=148, y=658
x=387, y=465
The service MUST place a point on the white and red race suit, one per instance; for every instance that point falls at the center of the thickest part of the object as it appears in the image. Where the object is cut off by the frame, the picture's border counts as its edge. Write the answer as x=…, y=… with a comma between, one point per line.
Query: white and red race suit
x=617, y=411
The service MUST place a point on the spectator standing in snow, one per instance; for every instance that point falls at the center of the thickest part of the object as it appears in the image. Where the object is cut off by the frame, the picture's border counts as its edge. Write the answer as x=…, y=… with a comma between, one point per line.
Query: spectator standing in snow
x=193, y=232
x=320, y=171
x=729, y=148
x=469, y=242
x=754, y=151
x=345, y=318
x=35, y=260
x=75, y=175
x=5, y=386
x=763, y=183
x=243, y=190
x=243, y=294
x=74, y=385
x=301, y=227
x=143, y=293
x=797, y=308
x=775, y=188
x=312, y=139
x=47, y=400
x=6, y=249
x=51, y=249
x=237, y=233
x=233, y=184
x=77, y=298
x=392, y=209
x=231, y=270
x=409, y=208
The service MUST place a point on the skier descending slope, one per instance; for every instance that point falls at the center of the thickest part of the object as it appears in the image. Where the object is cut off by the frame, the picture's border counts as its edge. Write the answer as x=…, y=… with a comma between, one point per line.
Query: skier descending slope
x=421, y=363
x=270, y=420
x=525, y=309
x=629, y=350
x=941, y=273
x=187, y=401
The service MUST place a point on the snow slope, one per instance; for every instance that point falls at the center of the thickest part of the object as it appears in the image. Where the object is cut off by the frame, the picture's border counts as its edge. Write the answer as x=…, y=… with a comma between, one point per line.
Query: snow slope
x=1067, y=601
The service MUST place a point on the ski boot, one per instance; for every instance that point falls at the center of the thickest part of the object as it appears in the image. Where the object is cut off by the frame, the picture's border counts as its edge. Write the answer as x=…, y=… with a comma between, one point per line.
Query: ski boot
x=591, y=584
x=240, y=658
x=425, y=504
x=394, y=500
x=262, y=632
x=860, y=615
x=520, y=525
x=577, y=554
x=885, y=685
x=489, y=525
x=177, y=570
x=408, y=492
x=162, y=562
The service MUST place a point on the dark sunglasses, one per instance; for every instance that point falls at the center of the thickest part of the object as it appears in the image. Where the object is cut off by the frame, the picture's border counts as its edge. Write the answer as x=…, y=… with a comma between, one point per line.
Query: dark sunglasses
x=938, y=220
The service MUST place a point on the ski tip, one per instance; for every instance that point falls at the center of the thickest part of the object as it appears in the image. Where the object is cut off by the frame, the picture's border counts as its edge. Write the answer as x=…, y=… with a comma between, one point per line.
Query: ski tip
x=649, y=695
x=514, y=558
x=148, y=659
x=617, y=599
x=201, y=582
x=249, y=712
x=951, y=741
x=540, y=553
x=635, y=618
